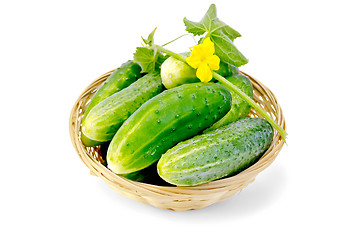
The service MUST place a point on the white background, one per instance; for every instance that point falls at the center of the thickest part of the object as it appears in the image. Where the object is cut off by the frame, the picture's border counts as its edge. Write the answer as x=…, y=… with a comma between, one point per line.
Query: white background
x=307, y=52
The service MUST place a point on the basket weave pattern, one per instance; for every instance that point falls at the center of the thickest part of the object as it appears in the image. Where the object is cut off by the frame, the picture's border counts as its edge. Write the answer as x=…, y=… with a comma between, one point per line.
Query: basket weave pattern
x=176, y=198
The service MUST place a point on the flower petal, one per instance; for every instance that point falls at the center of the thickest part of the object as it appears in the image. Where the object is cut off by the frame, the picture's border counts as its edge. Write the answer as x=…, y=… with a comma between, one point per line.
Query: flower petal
x=204, y=73
x=208, y=46
x=213, y=62
x=194, y=60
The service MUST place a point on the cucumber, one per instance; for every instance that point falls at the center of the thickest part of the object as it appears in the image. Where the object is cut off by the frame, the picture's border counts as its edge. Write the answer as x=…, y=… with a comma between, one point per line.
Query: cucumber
x=141, y=175
x=172, y=116
x=147, y=175
x=175, y=73
x=104, y=120
x=216, y=154
x=226, y=69
x=121, y=78
x=240, y=108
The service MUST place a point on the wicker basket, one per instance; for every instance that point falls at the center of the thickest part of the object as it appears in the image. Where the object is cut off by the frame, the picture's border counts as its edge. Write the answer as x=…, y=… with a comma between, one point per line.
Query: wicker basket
x=176, y=198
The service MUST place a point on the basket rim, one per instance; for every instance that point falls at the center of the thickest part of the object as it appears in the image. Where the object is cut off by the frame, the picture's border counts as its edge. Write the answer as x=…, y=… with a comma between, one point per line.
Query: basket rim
x=103, y=172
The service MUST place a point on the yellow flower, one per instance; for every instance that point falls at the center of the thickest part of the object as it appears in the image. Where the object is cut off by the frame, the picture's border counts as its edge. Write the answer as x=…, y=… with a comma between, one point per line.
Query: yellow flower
x=203, y=59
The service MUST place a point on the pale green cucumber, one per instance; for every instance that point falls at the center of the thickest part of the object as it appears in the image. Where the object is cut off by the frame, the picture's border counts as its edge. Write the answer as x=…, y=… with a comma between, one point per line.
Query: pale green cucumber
x=175, y=73
x=216, y=154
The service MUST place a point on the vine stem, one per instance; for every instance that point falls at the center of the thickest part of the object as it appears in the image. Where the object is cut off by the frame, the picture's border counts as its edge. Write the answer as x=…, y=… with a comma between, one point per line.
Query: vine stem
x=186, y=34
x=223, y=80
x=170, y=53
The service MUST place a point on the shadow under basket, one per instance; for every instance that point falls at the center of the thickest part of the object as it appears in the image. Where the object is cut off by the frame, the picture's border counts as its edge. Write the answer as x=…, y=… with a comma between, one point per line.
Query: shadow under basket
x=172, y=197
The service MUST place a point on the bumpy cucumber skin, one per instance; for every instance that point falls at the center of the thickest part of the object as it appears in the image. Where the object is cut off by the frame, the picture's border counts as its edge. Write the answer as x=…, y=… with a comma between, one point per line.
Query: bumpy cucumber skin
x=216, y=154
x=240, y=108
x=170, y=117
x=121, y=78
x=104, y=120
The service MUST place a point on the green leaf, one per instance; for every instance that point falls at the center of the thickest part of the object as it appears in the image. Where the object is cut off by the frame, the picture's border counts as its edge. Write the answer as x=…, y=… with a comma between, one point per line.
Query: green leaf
x=205, y=25
x=227, y=30
x=160, y=59
x=149, y=59
x=226, y=50
x=208, y=20
x=194, y=27
x=220, y=33
x=146, y=58
x=149, y=41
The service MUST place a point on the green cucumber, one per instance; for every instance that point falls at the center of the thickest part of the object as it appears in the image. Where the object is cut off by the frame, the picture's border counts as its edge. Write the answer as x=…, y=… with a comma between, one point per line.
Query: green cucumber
x=170, y=117
x=142, y=175
x=240, y=108
x=147, y=175
x=216, y=154
x=104, y=120
x=226, y=69
x=121, y=78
